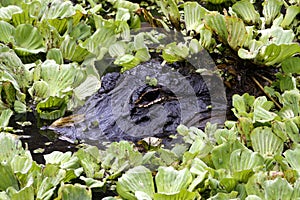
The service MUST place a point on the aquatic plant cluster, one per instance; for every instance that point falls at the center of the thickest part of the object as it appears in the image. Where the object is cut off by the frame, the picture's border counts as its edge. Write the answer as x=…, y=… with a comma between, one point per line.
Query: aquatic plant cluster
x=48, y=51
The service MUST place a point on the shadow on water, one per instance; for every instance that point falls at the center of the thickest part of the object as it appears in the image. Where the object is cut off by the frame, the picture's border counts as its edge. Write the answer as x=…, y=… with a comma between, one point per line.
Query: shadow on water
x=39, y=141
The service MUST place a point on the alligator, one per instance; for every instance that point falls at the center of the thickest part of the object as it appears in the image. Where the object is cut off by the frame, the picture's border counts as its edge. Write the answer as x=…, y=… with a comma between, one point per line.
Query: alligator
x=129, y=107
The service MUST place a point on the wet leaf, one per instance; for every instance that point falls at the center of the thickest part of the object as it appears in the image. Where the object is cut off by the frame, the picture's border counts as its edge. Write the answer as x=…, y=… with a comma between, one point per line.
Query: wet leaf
x=87, y=87
x=5, y=117
x=291, y=13
x=246, y=11
x=175, y=52
x=273, y=54
x=271, y=9
x=6, y=12
x=221, y=154
x=170, y=181
x=291, y=65
x=237, y=33
x=55, y=54
x=7, y=32
x=8, y=179
x=74, y=192
x=265, y=142
x=216, y=22
x=193, y=15
x=136, y=179
x=51, y=108
x=290, y=156
x=28, y=40
x=278, y=189
x=183, y=194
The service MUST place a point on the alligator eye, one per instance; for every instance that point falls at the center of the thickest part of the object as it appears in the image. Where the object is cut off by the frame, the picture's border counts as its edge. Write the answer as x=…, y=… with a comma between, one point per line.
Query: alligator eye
x=148, y=96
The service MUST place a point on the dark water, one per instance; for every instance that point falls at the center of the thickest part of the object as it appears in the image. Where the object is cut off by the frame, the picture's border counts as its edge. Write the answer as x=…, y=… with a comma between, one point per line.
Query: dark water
x=34, y=137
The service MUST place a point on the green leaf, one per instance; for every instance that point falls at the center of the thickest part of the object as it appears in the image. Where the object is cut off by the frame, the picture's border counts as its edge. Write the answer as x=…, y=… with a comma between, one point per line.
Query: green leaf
x=273, y=54
x=19, y=107
x=87, y=88
x=74, y=192
x=136, y=179
x=224, y=196
x=296, y=193
x=117, y=49
x=143, y=55
x=245, y=10
x=217, y=1
x=8, y=179
x=127, y=62
x=119, y=157
x=253, y=197
x=8, y=93
x=291, y=13
x=228, y=184
x=25, y=193
x=221, y=154
x=291, y=65
x=60, y=78
x=100, y=41
x=89, y=159
x=290, y=156
x=81, y=31
x=198, y=167
x=254, y=47
x=271, y=9
x=193, y=15
x=29, y=15
x=55, y=54
x=28, y=40
x=278, y=189
x=4, y=196
x=244, y=159
x=243, y=162
x=242, y=104
x=5, y=117
x=237, y=33
x=216, y=22
x=122, y=14
x=262, y=115
x=291, y=101
x=7, y=12
x=40, y=90
x=276, y=35
x=92, y=183
x=265, y=142
x=175, y=52
x=71, y=51
x=21, y=163
x=7, y=32
x=292, y=131
x=255, y=185
x=58, y=158
x=59, y=10
x=170, y=10
x=14, y=71
x=10, y=147
x=51, y=108
x=170, y=181
x=183, y=194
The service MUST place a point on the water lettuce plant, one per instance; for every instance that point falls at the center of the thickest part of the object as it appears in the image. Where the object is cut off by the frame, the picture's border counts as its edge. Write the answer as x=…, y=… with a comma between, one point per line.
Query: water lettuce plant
x=47, y=58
